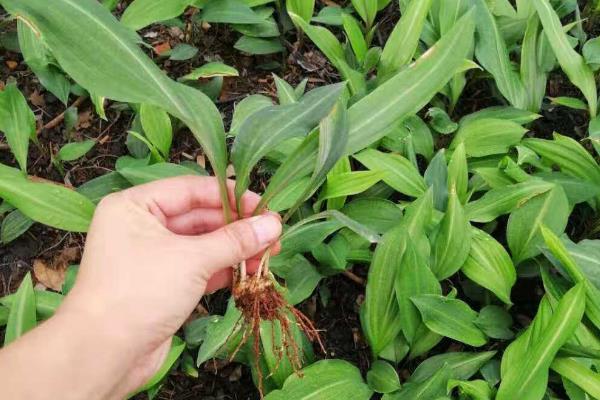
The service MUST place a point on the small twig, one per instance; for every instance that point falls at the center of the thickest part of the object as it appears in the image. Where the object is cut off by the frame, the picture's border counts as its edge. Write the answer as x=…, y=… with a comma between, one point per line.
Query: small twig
x=60, y=117
x=354, y=278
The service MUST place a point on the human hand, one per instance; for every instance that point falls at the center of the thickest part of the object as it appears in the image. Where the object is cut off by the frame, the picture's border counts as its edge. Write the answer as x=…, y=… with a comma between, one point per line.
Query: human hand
x=152, y=251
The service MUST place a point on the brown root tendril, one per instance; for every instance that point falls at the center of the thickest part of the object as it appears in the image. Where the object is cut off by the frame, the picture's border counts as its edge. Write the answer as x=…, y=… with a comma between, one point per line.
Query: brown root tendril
x=259, y=300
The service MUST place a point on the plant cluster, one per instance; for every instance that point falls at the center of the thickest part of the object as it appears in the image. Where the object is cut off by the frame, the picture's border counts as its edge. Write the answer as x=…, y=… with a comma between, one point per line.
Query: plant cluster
x=447, y=211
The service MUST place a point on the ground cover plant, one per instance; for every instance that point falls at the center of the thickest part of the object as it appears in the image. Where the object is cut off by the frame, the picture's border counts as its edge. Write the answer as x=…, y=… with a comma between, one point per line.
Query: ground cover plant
x=435, y=162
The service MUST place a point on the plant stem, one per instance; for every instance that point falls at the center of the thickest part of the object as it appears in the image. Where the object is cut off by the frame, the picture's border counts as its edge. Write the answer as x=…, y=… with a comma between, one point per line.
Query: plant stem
x=263, y=267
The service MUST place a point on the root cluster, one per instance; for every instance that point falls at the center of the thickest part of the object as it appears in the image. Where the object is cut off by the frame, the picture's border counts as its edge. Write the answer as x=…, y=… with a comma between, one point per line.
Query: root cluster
x=259, y=300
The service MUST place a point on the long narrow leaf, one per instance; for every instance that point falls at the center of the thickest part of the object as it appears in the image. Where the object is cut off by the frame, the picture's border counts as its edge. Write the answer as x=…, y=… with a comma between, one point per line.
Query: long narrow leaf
x=264, y=130
x=17, y=122
x=109, y=64
x=571, y=62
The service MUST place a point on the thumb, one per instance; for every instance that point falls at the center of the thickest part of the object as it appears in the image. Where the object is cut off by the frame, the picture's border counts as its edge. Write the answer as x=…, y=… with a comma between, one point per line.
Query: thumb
x=237, y=242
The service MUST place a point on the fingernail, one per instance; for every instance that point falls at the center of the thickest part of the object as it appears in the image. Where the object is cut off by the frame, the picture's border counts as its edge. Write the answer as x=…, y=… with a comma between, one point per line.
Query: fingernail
x=267, y=228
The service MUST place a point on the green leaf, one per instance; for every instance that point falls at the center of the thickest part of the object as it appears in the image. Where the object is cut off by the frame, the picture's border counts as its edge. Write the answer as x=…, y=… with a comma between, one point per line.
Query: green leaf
x=409, y=90
x=591, y=53
x=70, y=276
x=522, y=232
x=560, y=252
x=327, y=379
x=526, y=374
x=140, y=175
x=303, y=238
x=245, y=108
x=483, y=136
x=47, y=203
x=350, y=183
x=258, y=46
x=452, y=240
x=333, y=136
x=38, y=59
x=577, y=190
x=109, y=64
x=463, y=365
x=404, y=39
x=285, y=91
x=229, y=12
x=181, y=52
x=380, y=312
x=571, y=62
x=492, y=53
x=177, y=347
x=451, y=318
x=355, y=37
x=210, y=70
x=301, y=277
x=367, y=9
x=570, y=102
x=495, y=322
x=458, y=173
x=157, y=127
x=341, y=220
x=441, y=122
x=414, y=277
x=276, y=353
x=489, y=265
x=432, y=388
x=303, y=8
x=586, y=255
x=17, y=122
x=262, y=131
x=95, y=189
x=142, y=13
x=566, y=153
x=13, y=226
x=594, y=134
x=504, y=200
x=475, y=390
x=579, y=374
x=75, y=150
x=46, y=302
x=21, y=317
x=397, y=171
x=376, y=213
x=516, y=115
x=436, y=176
x=218, y=332
x=533, y=76
x=383, y=378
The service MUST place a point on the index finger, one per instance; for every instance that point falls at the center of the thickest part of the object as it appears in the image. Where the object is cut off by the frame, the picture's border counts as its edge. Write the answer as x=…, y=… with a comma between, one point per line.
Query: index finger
x=179, y=195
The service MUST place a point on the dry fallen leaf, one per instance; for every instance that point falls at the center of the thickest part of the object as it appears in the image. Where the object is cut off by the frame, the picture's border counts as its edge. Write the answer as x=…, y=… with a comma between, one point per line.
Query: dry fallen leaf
x=84, y=120
x=12, y=64
x=162, y=48
x=2, y=85
x=52, y=275
x=37, y=99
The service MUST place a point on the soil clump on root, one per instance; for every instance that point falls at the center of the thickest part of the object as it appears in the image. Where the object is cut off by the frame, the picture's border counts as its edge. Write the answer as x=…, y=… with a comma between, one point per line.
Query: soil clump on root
x=259, y=300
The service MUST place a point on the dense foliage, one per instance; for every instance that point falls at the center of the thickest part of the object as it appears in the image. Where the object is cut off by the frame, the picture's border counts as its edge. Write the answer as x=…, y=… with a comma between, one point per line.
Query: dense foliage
x=448, y=211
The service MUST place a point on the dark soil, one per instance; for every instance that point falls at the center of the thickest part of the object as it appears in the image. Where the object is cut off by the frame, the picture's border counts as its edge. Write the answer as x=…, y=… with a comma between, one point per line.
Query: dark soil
x=338, y=320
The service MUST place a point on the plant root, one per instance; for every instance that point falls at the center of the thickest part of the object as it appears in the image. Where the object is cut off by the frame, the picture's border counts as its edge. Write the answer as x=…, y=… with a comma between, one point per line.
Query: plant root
x=259, y=300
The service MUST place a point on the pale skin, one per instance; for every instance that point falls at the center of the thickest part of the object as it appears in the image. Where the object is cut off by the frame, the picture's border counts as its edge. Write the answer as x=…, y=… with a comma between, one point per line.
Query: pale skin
x=151, y=253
